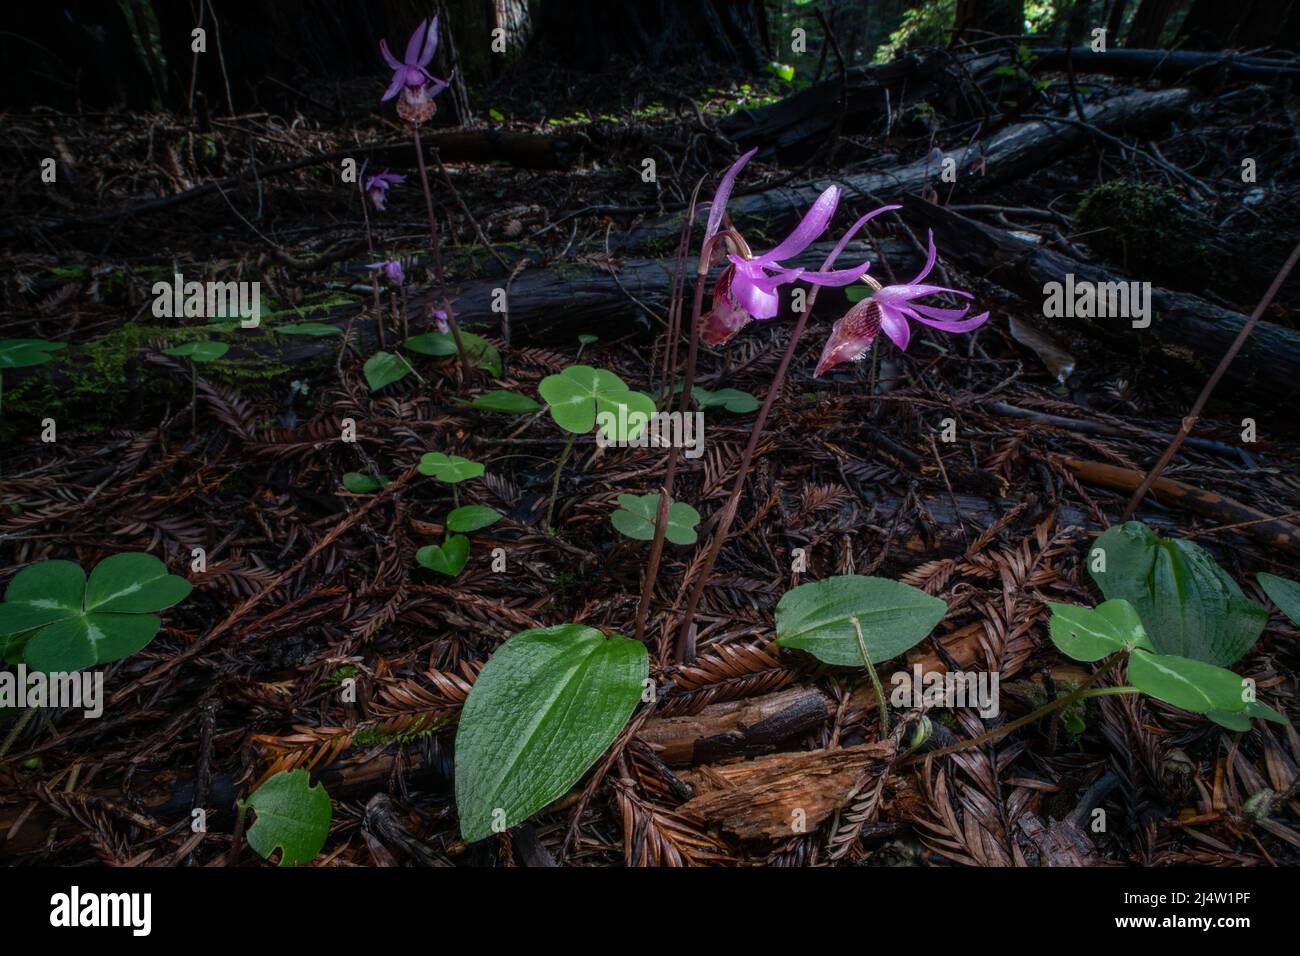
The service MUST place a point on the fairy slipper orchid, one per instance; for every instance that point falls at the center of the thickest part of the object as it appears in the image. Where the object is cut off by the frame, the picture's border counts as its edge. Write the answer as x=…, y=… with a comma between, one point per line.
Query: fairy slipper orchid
x=377, y=187
x=392, y=270
x=410, y=76
x=747, y=288
x=888, y=310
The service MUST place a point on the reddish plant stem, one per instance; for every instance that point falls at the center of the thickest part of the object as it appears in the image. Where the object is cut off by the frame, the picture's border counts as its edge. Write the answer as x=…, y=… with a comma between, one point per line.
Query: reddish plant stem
x=1189, y=422
x=733, y=500
x=665, y=493
x=437, y=257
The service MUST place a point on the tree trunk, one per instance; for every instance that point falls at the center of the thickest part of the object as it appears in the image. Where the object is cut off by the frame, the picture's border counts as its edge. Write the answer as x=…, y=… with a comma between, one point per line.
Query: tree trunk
x=1149, y=23
x=1115, y=22
x=596, y=34
x=1247, y=24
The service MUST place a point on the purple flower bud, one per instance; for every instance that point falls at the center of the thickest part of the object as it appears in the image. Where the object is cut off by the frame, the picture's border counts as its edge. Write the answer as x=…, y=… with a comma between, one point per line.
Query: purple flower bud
x=377, y=187
x=392, y=270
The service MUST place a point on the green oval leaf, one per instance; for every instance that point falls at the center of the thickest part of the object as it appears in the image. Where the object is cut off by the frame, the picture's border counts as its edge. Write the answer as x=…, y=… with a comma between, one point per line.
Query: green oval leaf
x=384, y=368
x=894, y=617
x=636, y=516
x=360, y=483
x=316, y=329
x=200, y=352
x=471, y=518
x=1187, y=603
x=545, y=707
x=1190, y=684
x=732, y=399
x=1285, y=594
x=292, y=816
x=450, y=469
x=1089, y=635
x=447, y=558
x=22, y=353
x=508, y=403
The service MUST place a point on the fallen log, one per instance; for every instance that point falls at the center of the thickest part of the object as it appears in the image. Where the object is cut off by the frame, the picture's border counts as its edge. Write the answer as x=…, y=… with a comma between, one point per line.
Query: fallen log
x=1179, y=65
x=1185, y=329
x=1008, y=154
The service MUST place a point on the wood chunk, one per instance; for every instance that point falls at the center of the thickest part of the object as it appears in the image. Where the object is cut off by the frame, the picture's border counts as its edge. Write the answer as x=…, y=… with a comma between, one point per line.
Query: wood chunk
x=760, y=798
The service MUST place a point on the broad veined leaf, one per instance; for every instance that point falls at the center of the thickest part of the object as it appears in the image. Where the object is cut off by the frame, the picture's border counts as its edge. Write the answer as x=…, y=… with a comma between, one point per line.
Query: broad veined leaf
x=469, y=518
x=385, y=368
x=543, y=710
x=1264, y=712
x=447, y=558
x=22, y=353
x=292, y=816
x=316, y=329
x=1187, y=603
x=507, y=403
x=894, y=617
x=200, y=352
x=1285, y=594
x=478, y=350
x=1190, y=684
x=62, y=621
x=1234, y=720
x=449, y=468
x=636, y=516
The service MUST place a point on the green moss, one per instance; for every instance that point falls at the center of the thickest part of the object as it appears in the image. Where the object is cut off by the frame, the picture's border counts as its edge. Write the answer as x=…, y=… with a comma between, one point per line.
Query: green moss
x=1145, y=229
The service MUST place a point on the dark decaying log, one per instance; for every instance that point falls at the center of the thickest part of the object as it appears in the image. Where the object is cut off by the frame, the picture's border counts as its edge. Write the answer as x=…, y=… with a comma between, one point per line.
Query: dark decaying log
x=1008, y=154
x=1185, y=330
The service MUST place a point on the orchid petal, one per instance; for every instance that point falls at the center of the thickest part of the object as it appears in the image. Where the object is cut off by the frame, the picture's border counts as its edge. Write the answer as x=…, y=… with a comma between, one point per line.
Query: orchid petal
x=929, y=260
x=809, y=229
x=394, y=87
x=853, y=231
x=837, y=278
x=751, y=295
x=393, y=62
x=430, y=44
x=963, y=326
x=942, y=315
x=723, y=195
x=413, y=44
x=899, y=293
x=894, y=324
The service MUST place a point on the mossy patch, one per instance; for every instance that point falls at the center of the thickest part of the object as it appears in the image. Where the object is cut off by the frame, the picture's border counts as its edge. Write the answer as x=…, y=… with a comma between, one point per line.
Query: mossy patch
x=1147, y=230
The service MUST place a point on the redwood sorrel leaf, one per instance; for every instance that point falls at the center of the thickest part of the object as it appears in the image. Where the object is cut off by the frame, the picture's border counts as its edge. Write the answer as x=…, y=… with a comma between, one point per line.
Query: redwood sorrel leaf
x=636, y=516
x=580, y=393
x=60, y=621
x=894, y=617
x=447, y=558
x=1187, y=603
x=200, y=352
x=450, y=469
x=292, y=816
x=545, y=707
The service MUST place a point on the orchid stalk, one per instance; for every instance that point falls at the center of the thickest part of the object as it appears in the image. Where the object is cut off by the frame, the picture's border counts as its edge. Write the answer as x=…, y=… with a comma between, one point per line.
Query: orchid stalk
x=750, y=291
x=417, y=88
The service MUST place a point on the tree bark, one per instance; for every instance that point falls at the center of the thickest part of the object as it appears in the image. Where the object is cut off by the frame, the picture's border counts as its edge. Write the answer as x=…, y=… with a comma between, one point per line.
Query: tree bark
x=1149, y=23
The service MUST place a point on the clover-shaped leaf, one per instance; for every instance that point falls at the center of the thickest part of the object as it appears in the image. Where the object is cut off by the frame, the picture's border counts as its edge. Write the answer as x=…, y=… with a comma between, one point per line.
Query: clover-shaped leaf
x=450, y=469
x=507, y=403
x=447, y=558
x=478, y=350
x=636, y=516
x=471, y=518
x=385, y=368
x=292, y=816
x=201, y=352
x=63, y=622
x=580, y=393
x=21, y=353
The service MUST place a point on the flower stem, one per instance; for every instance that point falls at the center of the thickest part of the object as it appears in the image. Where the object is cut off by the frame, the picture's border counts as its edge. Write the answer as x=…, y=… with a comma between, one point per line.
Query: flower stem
x=1079, y=693
x=194, y=397
x=729, y=509
x=875, y=679
x=555, y=482
x=436, y=246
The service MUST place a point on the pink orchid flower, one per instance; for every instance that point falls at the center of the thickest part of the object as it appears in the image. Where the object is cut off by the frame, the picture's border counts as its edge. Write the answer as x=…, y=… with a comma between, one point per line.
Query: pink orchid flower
x=888, y=310
x=410, y=76
x=377, y=187
x=747, y=288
